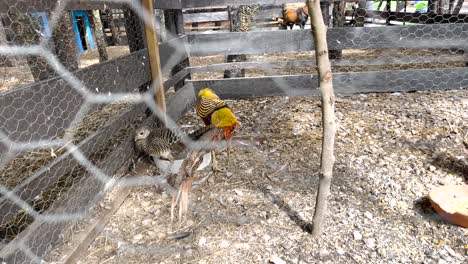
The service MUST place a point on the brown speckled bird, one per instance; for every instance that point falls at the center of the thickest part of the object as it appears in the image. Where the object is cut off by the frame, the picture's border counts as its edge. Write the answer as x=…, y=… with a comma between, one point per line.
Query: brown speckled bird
x=156, y=142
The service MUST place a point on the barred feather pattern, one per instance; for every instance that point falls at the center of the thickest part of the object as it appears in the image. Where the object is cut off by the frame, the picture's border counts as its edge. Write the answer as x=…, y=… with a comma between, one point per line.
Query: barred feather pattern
x=158, y=141
x=206, y=107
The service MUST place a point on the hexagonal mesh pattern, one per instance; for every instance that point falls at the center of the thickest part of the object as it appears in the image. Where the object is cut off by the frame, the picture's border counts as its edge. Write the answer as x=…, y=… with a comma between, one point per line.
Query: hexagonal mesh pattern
x=71, y=84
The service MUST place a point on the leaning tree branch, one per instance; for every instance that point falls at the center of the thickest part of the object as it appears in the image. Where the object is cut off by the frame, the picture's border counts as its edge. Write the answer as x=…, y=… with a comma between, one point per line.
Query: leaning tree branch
x=319, y=31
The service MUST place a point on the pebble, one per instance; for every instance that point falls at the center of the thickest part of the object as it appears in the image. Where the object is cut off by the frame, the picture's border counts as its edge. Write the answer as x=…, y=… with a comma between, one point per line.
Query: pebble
x=276, y=260
x=432, y=168
x=368, y=215
x=340, y=251
x=370, y=242
x=323, y=253
x=224, y=244
x=357, y=235
x=382, y=252
x=137, y=237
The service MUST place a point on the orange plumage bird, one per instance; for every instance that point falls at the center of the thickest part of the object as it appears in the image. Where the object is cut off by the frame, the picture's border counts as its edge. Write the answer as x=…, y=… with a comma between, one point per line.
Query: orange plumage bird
x=296, y=16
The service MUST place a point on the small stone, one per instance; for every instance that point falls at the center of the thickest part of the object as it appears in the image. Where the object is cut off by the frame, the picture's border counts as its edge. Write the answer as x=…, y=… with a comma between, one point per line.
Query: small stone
x=432, y=168
x=137, y=237
x=396, y=94
x=382, y=252
x=370, y=243
x=229, y=174
x=266, y=237
x=393, y=202
x=323, y=253
x=357, y=235
x=239, y=192
x=145, y=204
x=249, y=171
x=276, y=260
x=202, y=241
x=146, y=222
x=340, y=251
x=451, y=251
x=224, y=244
x=243, y=246
x=441, y=261
x=368, y=215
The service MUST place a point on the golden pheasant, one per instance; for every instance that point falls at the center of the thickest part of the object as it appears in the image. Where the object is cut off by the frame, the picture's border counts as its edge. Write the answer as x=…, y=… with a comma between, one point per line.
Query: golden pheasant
x=223, y=122
x=215, y=113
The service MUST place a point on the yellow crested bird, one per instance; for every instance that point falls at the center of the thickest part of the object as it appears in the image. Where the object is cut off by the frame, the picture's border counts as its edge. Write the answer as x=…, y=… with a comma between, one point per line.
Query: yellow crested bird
x=223, y=123
x=216, y=113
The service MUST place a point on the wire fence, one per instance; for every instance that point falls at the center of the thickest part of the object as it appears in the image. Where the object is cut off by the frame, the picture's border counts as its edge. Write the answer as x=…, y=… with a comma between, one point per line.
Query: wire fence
x=74, y=87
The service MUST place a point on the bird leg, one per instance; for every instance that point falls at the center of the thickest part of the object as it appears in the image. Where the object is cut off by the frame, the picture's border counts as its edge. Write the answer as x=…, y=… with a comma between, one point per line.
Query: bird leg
x=228, y=149
x=215, y=166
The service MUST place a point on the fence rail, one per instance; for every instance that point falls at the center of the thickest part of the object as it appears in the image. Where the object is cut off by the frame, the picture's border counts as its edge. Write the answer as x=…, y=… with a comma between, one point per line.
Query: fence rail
x=436, y=36
x=345, y=83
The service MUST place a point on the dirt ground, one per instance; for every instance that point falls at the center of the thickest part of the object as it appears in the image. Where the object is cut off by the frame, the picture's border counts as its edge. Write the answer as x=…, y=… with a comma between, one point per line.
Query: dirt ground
x=391, y=150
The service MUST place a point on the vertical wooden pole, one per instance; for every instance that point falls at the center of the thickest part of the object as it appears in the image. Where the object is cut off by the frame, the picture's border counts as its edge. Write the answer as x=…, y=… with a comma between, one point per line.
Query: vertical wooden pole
x=319, y=31
x=153, y=53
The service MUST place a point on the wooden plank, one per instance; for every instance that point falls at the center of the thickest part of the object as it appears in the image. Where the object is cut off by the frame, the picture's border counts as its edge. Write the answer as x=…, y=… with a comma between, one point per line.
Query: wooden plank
x=206, y=17
x=50, y=5
x=43, y=110
x=345, y=83
x=177, y=78
x=173, y=52
x=40, y=236
x=206, y=3
x=48, y=175
x=348, y=62
x=259, y=42
x=181, y=101
x=82, y=243
x=53, y=103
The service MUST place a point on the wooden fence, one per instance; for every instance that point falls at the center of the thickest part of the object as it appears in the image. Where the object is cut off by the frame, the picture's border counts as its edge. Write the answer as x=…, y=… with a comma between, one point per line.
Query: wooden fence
x=129, y=72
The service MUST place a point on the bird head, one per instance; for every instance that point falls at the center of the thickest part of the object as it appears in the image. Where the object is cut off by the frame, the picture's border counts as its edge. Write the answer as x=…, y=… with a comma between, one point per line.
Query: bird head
x=225, y=118
x=142, y=133
x=207, y=93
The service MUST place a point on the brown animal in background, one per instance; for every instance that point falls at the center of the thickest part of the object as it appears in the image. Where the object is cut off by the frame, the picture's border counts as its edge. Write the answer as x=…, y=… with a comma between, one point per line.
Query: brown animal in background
x=296, y=16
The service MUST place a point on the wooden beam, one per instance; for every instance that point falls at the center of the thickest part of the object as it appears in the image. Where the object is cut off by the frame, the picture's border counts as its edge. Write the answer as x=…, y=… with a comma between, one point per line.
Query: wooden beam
x=442, y=36
x=206, y=3
x=348, y=62
x=39, y=236
x=50, y=5
x=181, y=101
x=206, y=17
x=345, y=83
x=84, y=194
x=155, y=63
x=55, y=102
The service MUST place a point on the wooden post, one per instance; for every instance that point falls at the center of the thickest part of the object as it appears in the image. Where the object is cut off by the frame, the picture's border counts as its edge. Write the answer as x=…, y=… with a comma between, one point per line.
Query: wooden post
x=180, y=30
x=99, y=34
x=319, y=31
x=339, y=19
x=155, y=63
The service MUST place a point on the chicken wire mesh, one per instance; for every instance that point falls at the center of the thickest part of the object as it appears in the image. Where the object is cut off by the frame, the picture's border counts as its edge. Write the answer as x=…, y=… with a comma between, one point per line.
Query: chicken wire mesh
x=64, y=114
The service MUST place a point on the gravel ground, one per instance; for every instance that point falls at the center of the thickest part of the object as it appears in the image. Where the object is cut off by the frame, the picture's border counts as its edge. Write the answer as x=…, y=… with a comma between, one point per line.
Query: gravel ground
x=391, y=150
